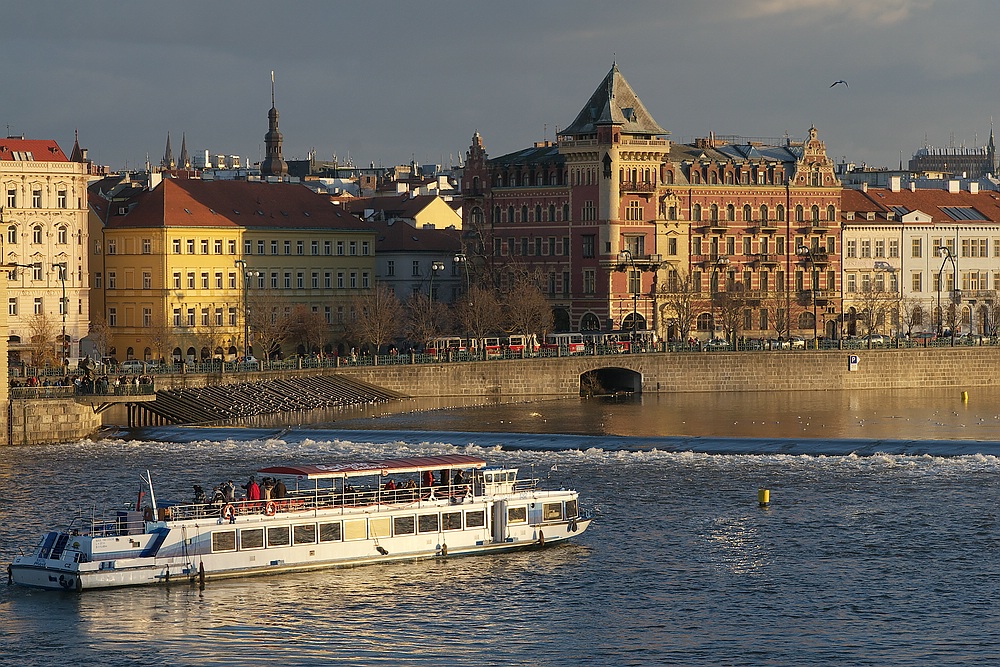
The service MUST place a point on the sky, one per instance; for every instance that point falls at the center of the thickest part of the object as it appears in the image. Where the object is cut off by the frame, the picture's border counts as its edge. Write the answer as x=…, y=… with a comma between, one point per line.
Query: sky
x=390, y=82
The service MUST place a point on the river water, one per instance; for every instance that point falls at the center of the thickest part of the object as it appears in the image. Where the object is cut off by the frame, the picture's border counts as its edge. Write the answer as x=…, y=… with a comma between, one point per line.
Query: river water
x=880, y=546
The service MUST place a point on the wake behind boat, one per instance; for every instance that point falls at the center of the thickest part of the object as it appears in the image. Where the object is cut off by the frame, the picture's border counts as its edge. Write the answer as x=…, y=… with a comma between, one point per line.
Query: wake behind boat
x=365, y=512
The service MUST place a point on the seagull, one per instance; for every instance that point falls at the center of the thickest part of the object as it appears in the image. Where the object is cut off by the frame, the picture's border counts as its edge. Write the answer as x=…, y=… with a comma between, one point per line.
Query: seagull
x=840, y=81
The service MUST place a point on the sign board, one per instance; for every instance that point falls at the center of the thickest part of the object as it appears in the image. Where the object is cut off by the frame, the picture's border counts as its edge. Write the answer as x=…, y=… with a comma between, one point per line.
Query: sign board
x=852, y=362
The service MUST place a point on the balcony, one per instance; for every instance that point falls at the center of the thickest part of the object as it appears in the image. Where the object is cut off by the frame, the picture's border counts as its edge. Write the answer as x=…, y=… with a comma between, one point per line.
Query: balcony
x=718, y=226
x=813, y=226
x=710, y=260
x=767, y=259
x=629, y=186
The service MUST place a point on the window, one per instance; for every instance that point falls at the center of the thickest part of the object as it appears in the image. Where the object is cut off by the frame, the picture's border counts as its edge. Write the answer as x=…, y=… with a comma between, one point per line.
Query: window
x=218, y=317
x=12, y=236
x=364, y=280
x=299, y=280
x=300, y=248
x=61, y=236
x=147, y=280
x=177, y=279
x=315, y=280
x=11, y=198
x=147, y=317
x=232, y=280
x=390, y=268
x=916, y=248
x=112, y=280
x=917, y=282
x=247, y=247
x=204, y=246
x=340, y=247
x=288, y=247
x=217, y=246
x=340, y=280
x=177, y=317
x=177, y=246
x=353, y=247
x=260, y=247
x=112, y=313
x=415, y=268
x=232, y=317
x=288, y=280
x=98, y=280
x=274, y=247
x=589, y=281
x=852, y=248
x=204, y=317
x=354, y=280
x=190, y=246
x=879, y=247
x=218, y=280
x=326, y=247
x=12, y=305
x=314, y=247
x=36, y=199
x=274, y=280
x=232, y=246
x=204, y=279
x=327, y=281
x=364, y=248
x=588, y=241
x=852, y=283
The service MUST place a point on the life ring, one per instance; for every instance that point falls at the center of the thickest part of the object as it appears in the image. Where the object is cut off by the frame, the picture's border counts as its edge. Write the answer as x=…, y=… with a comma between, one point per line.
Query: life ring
x=228, y=512
x=147, y=514
x=270, y=508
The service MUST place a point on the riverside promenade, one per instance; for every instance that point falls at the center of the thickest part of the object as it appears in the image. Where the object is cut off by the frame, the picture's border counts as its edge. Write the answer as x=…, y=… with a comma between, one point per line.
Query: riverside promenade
x=391, y=378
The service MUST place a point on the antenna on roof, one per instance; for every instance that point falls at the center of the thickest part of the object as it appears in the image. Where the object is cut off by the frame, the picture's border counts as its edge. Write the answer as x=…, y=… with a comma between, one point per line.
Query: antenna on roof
x=272, y=88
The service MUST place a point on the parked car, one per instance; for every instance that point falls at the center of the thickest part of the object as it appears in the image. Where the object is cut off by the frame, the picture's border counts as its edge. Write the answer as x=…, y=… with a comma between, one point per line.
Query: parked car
x=797, y=343
x=133, y=366
x=717, y=344
x=876, y=340
x=921, y=336
x=248, y=363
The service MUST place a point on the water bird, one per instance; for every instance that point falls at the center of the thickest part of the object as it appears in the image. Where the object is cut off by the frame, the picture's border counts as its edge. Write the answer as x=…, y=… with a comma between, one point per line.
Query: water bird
x=838, y=82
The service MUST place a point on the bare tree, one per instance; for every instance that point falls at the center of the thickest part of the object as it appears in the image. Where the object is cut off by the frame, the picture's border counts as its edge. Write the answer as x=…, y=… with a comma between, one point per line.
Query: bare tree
x=377, y=318
x=160, y=336
x=426, y=319
x=42, y=332
x=730, y=306
x=526, y=309
x=678, y=305
x=210, y=334
x=480, y=312
x=309, y=328
x=873, y=305
x=777, y=305
x=100, y=334
x=269, y=325
x=911, y=314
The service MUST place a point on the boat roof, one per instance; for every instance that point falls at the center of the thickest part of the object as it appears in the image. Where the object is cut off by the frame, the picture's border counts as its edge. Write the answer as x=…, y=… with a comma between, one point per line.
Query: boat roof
x=383, y=466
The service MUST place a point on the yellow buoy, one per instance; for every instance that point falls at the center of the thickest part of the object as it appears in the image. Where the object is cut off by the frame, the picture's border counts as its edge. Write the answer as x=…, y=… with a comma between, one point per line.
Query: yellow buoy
x=965, y=397
x=763, y=497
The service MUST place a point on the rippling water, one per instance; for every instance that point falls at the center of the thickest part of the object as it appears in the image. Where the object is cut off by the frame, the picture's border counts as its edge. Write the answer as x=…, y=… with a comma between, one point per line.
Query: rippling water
x=880, y=559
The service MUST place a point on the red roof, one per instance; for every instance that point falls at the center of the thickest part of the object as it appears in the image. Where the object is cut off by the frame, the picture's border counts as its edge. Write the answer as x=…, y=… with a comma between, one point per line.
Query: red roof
x=40, y=150
x=197, y=203
x=384, y=467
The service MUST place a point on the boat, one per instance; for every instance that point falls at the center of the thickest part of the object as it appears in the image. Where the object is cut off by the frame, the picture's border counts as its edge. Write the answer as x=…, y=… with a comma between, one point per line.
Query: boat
x=325, y=516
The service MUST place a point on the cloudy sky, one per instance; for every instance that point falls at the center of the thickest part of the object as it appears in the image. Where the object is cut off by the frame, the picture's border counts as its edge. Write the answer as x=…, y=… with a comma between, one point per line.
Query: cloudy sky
x=387, y=82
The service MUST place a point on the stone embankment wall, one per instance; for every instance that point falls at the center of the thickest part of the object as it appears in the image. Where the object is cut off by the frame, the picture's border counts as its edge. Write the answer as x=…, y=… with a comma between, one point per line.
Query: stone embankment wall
x=34, y=422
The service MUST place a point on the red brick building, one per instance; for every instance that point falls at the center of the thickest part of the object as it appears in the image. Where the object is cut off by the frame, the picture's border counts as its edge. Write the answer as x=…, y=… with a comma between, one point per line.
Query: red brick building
x=614, y=218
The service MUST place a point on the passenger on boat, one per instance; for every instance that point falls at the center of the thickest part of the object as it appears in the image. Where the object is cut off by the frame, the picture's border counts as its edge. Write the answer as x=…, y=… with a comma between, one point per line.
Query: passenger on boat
x=252, y=489
x=390, y=485
x=218, y=497
x=428, y=478
x=229, y=491
x=445, y=477
x=268, y=488
x=458, y=479
x=199, y=495
x=279, y=491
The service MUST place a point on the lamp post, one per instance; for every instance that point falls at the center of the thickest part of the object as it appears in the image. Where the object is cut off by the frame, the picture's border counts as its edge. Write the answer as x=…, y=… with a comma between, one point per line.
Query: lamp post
x=60, y=267
x=246, y=275
x=806, y=253
x=463, y=259
x=435, y=267
x=627, y=254
x=943, y=250
x=716, y=268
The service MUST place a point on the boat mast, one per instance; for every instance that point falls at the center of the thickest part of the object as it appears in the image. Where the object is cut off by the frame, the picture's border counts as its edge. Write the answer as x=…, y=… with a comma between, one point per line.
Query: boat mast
x=152, y=496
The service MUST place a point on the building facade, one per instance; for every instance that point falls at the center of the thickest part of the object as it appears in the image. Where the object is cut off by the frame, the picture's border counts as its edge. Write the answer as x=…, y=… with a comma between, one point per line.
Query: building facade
x=194, y=270
x=615, y=220
x=43, y=216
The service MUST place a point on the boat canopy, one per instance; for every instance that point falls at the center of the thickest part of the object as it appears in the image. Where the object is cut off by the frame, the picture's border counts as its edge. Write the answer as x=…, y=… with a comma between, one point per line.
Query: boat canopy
x=384, y=467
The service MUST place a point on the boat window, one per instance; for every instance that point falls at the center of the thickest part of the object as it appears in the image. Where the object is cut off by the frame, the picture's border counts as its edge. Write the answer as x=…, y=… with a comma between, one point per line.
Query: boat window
x=329, y=532
x=252, y=538
x=428, y=523
x=517, y=514
x=451, y=521
x=379, y=527
x=356, y=529
x=304, y=534
x=224, y=540
x=551, y=511
x=475, y=519
x=402, y=525
x=277, y=536
x=571, y=510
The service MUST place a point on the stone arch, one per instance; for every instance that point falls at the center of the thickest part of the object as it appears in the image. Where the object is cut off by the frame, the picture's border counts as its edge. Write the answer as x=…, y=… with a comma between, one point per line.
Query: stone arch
x=590, y=322
x=610, y=382
x=560, y=320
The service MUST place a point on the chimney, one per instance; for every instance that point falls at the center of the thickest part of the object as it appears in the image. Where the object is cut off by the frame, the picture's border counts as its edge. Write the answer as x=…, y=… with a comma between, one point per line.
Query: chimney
x=894, y=183
x=973, y=188
x=864, y=187
x=913, y=186
x=954, y=187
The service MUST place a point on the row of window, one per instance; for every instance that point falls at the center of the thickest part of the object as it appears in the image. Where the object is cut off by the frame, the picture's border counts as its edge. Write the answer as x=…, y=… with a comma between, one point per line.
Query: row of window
x=344, y=280
x=13, y=308
x=38, y=235
x=62, y=201
x=728, y=214
x=214, y=316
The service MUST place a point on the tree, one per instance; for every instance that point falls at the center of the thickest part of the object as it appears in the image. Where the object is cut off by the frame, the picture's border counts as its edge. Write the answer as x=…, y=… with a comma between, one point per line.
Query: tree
x=377, y=318
x=269, y=325
x=526, y=309
x=777, y=306
x=873, y=304
x=426, y=319
x=730, y=307
x=100, y=335
x=480, y=313
x=678, y=305
x=309, y=328
x=911, y=314
x=42, y=332
x=160, y=336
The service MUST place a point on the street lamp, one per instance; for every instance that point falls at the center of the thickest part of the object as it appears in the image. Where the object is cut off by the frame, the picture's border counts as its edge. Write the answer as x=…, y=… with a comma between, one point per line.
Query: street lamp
x=61, y=268
x=806, y=253
x=635, y=295
x=247, y=275
x=463, y=259
x=435, y=267
x=714, y=286
x=943, y=250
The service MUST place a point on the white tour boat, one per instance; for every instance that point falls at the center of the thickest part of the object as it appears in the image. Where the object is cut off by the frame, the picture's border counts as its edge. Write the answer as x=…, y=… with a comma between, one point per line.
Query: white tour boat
x=365, y=512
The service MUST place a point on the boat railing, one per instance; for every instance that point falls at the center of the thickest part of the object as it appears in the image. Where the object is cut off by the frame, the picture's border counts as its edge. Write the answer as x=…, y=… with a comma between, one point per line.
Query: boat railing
x=299, y=501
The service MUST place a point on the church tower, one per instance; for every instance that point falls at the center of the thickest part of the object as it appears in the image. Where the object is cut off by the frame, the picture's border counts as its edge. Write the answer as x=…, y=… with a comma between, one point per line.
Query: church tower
x=168, y=156
x=273, y=165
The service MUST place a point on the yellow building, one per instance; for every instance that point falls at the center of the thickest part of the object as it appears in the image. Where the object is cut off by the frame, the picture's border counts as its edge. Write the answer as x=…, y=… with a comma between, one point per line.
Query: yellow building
x=186, y=267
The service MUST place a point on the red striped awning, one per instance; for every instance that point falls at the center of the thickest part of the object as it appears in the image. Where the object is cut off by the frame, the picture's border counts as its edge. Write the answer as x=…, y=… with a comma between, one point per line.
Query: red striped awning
x=383, y=467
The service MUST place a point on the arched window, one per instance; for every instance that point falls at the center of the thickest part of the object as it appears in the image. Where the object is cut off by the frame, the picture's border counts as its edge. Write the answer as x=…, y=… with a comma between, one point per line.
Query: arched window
x=714, y=178
x=729, y=178
x=590, y=322
x=565, y=212
x=763, y=213
x=510, y=214
x=36, y=234
x=714, y=212
x=552, y=212
x=704, y=322
x=538, y=212
x=12, y=234
x=806, y=320
x=496, y=214
x=695, y=177
x=831, y=212
x=696, y=212
x=815, y=213
x=799, y=213
x=524, y=214
x=668, y=178
x=61, y=235
x=780, y=213
x=147, y=354
x=730, y=213
x=747, y=213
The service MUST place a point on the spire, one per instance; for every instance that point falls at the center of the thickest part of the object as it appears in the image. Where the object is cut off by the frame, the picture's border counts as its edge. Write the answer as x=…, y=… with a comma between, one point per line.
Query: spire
x=273, y=164
x=185, y=160
x=614, y=103
x=168, y=156
x=77, y=155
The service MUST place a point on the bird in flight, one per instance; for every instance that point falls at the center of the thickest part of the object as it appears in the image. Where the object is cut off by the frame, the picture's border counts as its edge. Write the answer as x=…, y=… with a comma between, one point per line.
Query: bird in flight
x=836, y=82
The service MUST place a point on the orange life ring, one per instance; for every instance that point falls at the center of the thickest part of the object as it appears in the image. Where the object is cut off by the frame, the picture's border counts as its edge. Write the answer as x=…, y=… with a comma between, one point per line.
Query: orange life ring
x=228, y=512
x=270, y=508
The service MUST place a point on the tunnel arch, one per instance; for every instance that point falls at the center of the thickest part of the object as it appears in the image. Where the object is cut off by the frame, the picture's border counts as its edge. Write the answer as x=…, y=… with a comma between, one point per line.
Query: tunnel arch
x=610, y=380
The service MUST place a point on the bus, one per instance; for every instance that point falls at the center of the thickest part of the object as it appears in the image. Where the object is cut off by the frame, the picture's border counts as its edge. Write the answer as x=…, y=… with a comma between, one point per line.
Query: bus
x=571, y=343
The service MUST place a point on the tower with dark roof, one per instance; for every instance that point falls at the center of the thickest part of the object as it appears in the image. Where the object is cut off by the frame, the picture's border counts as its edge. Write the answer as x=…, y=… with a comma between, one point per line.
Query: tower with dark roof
x=168, y=156
x=185, y=160
x=273, y=164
